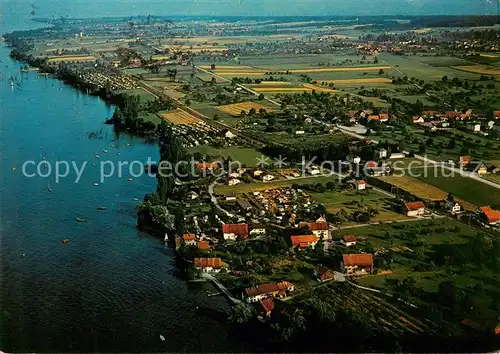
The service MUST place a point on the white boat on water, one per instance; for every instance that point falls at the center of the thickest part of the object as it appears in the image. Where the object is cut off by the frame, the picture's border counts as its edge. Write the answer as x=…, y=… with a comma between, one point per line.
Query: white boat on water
x=162, y=337
x=165, y=239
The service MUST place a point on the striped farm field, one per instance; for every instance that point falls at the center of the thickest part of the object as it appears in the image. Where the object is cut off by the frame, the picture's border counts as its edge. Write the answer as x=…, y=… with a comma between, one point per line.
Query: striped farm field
x=180, y=117
x=479, y=69
x=208, y=78
x=226, y=67
x=274, y=83
x=236, y=108
x=304, y=88
x=375, y=80
x=281, y=89
x=422, y=190
x=239, y=73
x=72, y=58
x=318, y=89
x=325, y=70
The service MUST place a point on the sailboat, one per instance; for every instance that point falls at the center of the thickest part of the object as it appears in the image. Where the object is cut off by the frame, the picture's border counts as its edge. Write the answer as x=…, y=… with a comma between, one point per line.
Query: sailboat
x=11, y=81
x=49, y=188
x=166, y=238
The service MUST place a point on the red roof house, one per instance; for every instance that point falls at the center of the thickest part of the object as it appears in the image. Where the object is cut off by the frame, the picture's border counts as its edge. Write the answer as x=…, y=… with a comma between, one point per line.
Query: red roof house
x=357, y=263
x=304, y=241
x=415, y=208
x=491, y=215
x=232, y=231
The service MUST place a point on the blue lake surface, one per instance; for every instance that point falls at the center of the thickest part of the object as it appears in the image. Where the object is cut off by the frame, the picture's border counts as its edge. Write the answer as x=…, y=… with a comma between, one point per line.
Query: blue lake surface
x=111, y=287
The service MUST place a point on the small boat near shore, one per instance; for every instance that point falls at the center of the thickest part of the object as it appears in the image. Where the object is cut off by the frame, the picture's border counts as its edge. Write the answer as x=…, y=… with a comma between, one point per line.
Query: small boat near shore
x=102, y=208
x=81, y=220
x=65, y=241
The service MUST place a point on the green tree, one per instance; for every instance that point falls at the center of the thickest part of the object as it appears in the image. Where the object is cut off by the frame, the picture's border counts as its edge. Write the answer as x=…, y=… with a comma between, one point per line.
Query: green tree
x=240, y=314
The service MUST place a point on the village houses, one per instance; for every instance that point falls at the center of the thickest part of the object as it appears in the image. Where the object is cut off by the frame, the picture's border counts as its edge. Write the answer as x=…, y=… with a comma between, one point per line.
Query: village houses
x=348, y=240
x=357, y=264
x=304, y=241
x=489, y=215
x=209, y=265
x=232, y=231
x=319, y=229
x=414, y=209
x=264, y=291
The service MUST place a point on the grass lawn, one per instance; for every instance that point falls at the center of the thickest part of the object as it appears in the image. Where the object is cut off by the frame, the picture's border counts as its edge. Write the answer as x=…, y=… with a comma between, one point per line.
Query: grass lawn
x=150, y=117
x=258, y=186
x=445, y=234
x=465, y=188
x=246, y=156
x=144, y=96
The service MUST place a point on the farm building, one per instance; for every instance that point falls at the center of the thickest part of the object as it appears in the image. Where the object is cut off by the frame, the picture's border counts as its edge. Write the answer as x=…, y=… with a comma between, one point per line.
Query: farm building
x=266, y=306
x=318, y=229
x=381, y=154
x=265, y=291
x=324, y=274
x=207, y=166
x=453, y=207
x=267, y=178
x=360, y=185
x=233, y=182
x=417, y=119
x=209, y=265
x=203, y=245
x=257, y=230
x=397, y=155
x=489, y=215
x=414, y=209
x=232, y=231
x=189, y=239
x=464, y=161
x=348, y=240
x=357, y=264
x=304, y=241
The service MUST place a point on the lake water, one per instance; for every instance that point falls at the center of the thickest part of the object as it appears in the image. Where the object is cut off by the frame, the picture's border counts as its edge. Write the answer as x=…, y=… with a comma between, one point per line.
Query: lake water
x=110, y=288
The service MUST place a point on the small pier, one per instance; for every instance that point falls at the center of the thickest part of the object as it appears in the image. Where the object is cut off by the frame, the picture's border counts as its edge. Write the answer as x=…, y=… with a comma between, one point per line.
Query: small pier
x=222, y=288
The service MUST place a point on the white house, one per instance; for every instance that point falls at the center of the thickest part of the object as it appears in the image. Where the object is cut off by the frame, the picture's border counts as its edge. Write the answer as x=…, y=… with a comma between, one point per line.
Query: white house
x=318, y=229
x=381, y=154
x=454, y=207
x=299, y=132
x=267, y=178
x=415, y=209
x=209, y=265
x=348, y=240
x=356, y=160
x=258, y=230
x=234, y=175
x=314, y=171
x=360, y=185
x=233, y=182
x=397, y=155
x=418, y=120
x=229, y=135
x=257, y=173
x=475, y=127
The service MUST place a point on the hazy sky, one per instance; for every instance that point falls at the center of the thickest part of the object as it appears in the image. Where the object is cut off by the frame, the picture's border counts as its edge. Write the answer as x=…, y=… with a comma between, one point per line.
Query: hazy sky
x=100, y=8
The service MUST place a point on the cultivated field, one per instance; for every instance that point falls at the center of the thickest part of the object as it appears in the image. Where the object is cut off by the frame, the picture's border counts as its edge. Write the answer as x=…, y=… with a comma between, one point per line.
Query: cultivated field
x=304, y=88
x=326, y=70
x=479, y=69
x=208, y=78
x=375, y=80
x=236, y=108
x=71, y=58
x=466, y=188
x=422, y=189
x=180, y=117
